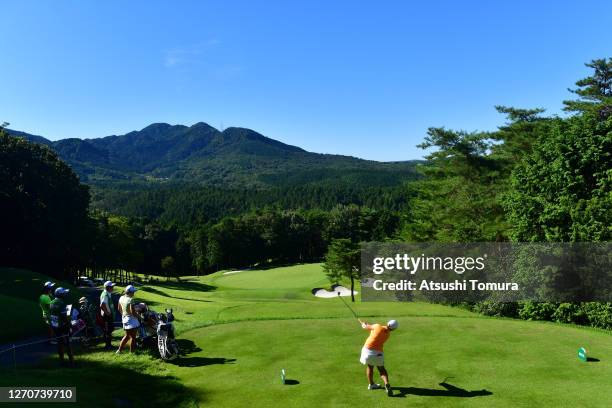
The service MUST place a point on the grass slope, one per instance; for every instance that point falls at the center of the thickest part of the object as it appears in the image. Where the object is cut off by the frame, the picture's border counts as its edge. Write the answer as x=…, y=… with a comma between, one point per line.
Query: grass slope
x=19, y=293
x=238, y=330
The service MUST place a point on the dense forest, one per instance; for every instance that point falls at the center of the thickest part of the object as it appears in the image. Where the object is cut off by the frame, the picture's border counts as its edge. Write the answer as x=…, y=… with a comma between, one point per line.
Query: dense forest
x=537, y=178
x=188, y=205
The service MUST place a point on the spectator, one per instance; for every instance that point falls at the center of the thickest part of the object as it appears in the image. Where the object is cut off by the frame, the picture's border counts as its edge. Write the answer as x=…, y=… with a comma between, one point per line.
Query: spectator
x=128, y=318
x=107, y=311
x=45, y=302
x=60, y=322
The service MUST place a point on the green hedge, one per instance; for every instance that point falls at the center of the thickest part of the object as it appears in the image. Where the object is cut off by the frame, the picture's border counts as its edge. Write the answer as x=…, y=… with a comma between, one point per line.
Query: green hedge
x=592, y=314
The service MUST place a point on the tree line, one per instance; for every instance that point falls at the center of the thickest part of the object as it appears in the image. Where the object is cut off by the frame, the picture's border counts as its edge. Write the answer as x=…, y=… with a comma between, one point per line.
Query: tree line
x=188, y=205
x=286, y=236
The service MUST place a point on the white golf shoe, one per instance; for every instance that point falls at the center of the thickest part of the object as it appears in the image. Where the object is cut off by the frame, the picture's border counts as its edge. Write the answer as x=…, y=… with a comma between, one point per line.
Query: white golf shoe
x=374, y=387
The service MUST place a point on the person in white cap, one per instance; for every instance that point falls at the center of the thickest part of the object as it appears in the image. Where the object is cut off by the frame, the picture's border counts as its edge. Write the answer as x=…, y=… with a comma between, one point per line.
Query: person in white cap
x=372, y=353
x=45, y=302
x=107, y=311
x=128, y=318
x=60, y=322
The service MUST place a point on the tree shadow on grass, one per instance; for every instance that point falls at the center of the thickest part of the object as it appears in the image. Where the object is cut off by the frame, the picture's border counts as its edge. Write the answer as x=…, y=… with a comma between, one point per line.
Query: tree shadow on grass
x=449, y=391
x=187, y=285
x=152, y=304
x=272, y=265
x=116, y=382
x=154, y=291
x=162, y=293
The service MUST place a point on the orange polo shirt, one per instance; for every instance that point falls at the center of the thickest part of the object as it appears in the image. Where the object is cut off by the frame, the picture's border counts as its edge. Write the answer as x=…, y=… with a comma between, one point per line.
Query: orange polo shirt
x=378, y=335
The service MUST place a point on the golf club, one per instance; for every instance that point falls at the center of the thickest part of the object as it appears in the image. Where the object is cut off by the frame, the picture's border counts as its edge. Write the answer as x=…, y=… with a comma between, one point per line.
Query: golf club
x=347, y=305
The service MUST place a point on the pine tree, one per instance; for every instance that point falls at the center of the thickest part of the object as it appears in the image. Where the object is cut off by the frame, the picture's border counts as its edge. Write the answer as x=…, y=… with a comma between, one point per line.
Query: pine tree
x=595, y=91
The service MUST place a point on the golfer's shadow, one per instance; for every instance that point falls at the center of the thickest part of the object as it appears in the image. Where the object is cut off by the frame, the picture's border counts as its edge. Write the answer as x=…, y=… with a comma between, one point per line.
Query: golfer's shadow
x=449, y=391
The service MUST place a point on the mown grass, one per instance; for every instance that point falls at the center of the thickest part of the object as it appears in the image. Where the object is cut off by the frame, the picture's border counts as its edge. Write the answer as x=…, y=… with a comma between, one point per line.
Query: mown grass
x=239, y=330
x=103, y=379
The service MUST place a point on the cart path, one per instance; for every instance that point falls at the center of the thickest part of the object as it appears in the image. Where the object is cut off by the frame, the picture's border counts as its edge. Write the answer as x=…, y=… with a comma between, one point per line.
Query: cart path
x=26, y=355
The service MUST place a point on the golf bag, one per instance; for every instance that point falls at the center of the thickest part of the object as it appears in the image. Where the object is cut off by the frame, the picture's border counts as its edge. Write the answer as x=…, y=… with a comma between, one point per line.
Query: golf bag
x=83, y=327
x=157, y=328
x=166, y=343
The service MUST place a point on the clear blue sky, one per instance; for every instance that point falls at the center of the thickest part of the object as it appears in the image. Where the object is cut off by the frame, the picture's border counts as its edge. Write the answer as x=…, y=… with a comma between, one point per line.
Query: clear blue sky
x=349, y=77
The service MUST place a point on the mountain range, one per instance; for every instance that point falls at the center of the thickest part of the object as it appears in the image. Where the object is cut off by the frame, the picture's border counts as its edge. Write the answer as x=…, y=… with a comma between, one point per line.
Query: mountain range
x=202, y=155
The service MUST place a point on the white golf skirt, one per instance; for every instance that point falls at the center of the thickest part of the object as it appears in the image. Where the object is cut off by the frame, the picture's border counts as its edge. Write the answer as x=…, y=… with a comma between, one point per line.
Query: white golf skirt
x=130, y=322
x=372, y=357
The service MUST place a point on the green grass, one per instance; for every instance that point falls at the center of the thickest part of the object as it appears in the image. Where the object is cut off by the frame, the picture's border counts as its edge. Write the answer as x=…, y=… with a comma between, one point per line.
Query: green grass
x=19, y=293
x=103, y=380
x=306, y=276
x=239, y=330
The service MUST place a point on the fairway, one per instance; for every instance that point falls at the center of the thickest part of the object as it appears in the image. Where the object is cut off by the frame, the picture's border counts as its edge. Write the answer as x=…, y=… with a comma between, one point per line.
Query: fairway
x=276, y=278
x=237, y=332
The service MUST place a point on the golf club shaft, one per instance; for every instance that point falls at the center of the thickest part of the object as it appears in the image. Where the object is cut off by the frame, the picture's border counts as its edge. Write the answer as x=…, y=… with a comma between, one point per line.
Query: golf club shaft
x=347, y=305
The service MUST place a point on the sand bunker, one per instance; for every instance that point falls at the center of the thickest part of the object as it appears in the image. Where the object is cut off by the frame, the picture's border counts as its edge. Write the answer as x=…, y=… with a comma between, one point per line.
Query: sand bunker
x=324, y=293
x=232, y=272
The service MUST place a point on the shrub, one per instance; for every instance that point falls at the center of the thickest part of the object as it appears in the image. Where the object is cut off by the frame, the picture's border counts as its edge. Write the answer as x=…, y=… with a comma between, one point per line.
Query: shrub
x=598, y=314
x=537, y=310
x=570, y=313
x=502, y=309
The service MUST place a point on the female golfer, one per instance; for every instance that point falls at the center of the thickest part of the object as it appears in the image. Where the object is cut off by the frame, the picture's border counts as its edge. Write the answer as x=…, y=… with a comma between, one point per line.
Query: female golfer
x=372, y=353
x=128, y=318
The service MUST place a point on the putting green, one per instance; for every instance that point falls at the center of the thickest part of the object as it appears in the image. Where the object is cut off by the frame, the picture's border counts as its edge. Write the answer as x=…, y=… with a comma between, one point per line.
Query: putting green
x=239, y=330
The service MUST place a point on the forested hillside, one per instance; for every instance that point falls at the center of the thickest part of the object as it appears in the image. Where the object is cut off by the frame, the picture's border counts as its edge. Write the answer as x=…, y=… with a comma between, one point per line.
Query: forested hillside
x=202, y=155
